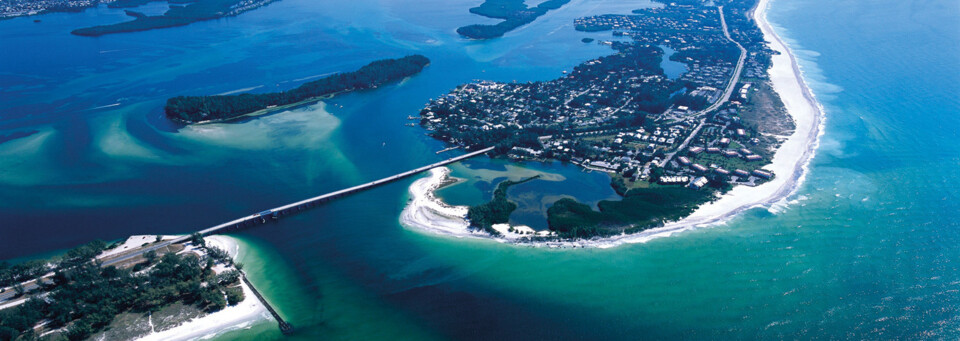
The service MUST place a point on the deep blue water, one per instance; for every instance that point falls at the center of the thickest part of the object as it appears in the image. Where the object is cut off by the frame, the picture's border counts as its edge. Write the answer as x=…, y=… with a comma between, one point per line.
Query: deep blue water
x=865, y=250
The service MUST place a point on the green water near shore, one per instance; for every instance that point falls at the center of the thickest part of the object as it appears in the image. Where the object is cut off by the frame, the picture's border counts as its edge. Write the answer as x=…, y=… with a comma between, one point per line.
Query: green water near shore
x=866, y=249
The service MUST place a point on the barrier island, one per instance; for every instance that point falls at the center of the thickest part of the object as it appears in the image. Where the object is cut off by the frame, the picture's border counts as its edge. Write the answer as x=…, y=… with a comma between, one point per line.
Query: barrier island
x=671, y=145
x=515, y=13
x=197, y=109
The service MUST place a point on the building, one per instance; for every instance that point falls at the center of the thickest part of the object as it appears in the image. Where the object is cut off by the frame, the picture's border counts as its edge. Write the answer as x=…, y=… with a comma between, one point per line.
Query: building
x=673, y=180
x=699, y=183
x=753, y=157
x=695, y=150
x=762, y=174
x=730, y=153
x=684, y=160
x=741, y=173
x=699, y=168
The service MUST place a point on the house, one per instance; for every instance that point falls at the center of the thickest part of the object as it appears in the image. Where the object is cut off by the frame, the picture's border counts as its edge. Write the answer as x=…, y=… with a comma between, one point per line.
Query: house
x=762, y=174
x=730, y=153
x=695, y=150
x=673, y=180
x=741, y=173
x=713, y=150
x=699, y=183
x=725, y=141
x=722, y=171
x=753, y=157
x=684, y=160
x=699, y=168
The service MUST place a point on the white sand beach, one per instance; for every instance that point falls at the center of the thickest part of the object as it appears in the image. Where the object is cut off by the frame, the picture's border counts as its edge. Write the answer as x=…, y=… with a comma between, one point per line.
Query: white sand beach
x=789, y=164
x=790, y=161
x=240, y=316
x=425, y=211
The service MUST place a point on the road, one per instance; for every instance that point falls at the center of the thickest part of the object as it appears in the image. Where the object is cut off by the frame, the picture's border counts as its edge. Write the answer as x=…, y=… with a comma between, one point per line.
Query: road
x=7, y=295
x=732, y=83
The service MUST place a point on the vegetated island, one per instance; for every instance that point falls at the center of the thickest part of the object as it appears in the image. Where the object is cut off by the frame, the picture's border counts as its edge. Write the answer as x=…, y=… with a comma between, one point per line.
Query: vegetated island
x=515, y=13
x=181, y=12
x=497, y=210
x=126, y=290
x=201, y=109
x=669, y=145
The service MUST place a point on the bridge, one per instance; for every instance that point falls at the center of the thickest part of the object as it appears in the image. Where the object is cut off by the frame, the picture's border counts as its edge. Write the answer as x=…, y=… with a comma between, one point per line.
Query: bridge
x=277, y=212
x=263, y=217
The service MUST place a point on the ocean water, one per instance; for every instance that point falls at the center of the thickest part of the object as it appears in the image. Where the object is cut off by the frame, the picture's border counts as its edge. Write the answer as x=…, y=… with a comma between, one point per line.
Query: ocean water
x=867, y=247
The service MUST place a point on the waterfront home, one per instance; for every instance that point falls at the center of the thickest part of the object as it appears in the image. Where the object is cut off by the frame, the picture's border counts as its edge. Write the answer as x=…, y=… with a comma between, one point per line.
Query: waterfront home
x=762, y=174
x=699, y=183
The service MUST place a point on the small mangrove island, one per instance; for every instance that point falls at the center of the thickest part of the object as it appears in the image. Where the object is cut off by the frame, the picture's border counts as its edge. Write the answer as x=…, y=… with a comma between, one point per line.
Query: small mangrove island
x=515, y=13
x=195, y=109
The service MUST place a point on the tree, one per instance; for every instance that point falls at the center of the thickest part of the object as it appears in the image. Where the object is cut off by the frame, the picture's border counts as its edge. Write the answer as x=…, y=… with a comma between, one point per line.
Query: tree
x=19, y=289
x=159, y=238
x=228, y=277
x=150, y=256
x=234, y=296
x=79, y=331
x=197, y=239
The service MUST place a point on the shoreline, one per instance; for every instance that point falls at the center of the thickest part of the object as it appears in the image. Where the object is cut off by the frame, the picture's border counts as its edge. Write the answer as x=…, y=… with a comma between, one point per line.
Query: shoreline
x=241, y=316
x=424, y=211
x=790, y=163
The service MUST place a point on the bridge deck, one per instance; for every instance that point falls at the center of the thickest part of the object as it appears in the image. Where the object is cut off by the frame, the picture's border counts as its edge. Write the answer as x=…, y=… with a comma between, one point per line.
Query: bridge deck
x=300, y=204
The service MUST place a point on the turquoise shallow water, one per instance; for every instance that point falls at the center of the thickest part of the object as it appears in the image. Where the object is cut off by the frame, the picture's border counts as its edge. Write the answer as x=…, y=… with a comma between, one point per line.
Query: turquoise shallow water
x=866, y=249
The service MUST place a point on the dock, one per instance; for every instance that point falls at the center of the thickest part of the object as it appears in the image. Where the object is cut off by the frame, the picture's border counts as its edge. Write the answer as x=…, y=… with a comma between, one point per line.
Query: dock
x=447, y=149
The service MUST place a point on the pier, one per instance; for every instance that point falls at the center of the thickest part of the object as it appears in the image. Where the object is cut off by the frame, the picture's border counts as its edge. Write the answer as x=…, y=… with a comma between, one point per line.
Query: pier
x=285, y=327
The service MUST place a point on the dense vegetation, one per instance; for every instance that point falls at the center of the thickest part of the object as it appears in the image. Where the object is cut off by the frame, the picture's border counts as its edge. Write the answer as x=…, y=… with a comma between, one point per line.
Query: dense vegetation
x=641, y=208
x=84, y=298
x=514, y=12
x=202, y=108
x=497, y=210
x=176, y=16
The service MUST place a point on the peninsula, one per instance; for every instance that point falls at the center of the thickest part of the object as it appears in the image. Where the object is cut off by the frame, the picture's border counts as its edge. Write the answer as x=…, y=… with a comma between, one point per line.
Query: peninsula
x=198, y=109
x=144, y=287
x=670, y=145
x=515, y=13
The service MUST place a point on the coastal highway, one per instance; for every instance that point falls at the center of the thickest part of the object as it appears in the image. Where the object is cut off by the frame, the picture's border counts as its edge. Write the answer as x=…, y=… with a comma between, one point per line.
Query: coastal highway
x=29, y=286
x=731, y=84
x=263, y=215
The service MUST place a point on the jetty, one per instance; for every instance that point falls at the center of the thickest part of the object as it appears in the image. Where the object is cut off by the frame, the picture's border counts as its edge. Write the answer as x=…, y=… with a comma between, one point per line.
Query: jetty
x=285, y=328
